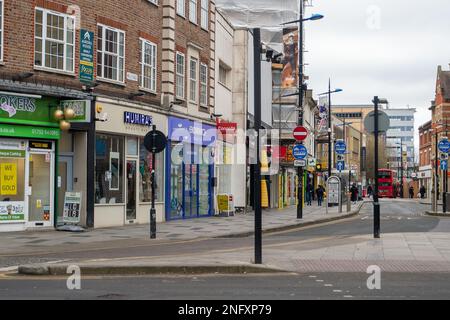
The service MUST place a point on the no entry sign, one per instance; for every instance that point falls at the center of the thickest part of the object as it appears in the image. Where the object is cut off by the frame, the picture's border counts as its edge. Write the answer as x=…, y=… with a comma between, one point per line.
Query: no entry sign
x=300, y=133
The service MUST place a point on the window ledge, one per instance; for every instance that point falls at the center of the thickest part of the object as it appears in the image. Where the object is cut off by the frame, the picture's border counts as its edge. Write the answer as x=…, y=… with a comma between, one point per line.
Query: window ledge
x=118, y=83
x=148, y=90
x=224, y=85
x=50, y=70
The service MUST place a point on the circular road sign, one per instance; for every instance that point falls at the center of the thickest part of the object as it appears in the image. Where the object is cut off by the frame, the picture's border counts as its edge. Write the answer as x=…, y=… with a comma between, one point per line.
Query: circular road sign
x=300, y=133
x=340, y=147
x=383, y=122
x=155, y=141
x=299, y=152
x=444, y=146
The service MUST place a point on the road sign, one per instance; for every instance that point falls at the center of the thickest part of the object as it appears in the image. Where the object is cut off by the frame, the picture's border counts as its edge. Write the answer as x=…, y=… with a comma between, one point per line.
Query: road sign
x=383, y=122
x=444, y=146
x=340, y=147
x=300, y=152
x=444, y=156
x=300, y=133
x=155, y=141
x=444, y=165
x=340, y=157
x=312, y=162
x=340, y=165
x=300, y=163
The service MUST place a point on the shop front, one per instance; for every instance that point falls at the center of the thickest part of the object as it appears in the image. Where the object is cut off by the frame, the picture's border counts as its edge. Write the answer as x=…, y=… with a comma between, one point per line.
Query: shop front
x=190, y=169
x=123, y=165
x=29, y=138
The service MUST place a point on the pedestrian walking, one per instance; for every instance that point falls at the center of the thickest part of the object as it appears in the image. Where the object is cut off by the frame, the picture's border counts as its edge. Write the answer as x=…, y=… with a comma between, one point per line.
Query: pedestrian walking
x=369, y=191
x=422, y=191
x=354, y=193
x=320, y=193
x=411, y=192
x=309, y=194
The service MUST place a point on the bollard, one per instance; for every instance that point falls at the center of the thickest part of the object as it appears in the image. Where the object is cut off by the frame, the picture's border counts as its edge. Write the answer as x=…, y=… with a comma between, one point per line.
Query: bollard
x=349, y=203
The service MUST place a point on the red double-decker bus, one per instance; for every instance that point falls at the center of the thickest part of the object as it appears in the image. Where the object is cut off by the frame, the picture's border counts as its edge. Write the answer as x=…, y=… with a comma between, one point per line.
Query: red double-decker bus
x=386, y=183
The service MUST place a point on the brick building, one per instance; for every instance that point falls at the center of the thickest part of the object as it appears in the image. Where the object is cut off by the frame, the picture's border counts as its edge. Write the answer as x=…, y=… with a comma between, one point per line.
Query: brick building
x=121, y=66
x=425, y=157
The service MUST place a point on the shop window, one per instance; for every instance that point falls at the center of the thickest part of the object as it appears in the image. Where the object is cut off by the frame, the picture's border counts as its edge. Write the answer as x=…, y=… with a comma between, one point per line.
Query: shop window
x=145, y=171
x=54, y=40
x=109, y=169
x=224, y=168
x=12, y=185
x=110, y=54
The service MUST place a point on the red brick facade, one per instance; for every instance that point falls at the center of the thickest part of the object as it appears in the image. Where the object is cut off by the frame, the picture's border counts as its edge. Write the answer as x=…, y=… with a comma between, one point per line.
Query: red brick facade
x=137, y=18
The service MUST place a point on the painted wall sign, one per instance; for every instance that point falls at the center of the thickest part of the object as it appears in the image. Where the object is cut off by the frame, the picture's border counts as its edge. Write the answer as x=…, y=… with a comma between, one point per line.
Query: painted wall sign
x=12, y=211
x=27, y=110
x=137, y=118
x=82, y=109
x=86, y=56
x=8, y=179
x=30, y=132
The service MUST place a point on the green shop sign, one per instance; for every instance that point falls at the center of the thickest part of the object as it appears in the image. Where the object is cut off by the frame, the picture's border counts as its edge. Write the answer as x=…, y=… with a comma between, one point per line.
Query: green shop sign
x=12, y=153
x=28, y=110
x=29, y=132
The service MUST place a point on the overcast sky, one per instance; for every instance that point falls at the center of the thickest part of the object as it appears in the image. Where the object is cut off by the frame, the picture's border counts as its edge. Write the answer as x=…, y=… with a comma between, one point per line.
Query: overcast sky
x=389, y=48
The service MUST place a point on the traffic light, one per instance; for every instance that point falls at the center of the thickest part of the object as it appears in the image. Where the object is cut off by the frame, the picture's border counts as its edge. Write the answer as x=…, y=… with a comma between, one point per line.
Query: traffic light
x=318, y=167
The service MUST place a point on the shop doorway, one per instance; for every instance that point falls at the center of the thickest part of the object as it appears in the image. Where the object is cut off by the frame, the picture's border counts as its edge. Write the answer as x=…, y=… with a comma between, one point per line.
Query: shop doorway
x=40, y=189
x=65, y=183
x=131, y=191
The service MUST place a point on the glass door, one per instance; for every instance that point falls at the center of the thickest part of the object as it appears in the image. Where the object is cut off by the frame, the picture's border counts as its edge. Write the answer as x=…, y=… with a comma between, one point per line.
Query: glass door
x=40, y=191
x=65, y=183
x=131, y=191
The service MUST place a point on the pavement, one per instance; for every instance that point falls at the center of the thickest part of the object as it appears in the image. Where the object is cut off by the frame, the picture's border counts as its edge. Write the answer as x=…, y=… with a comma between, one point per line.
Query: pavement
x=240, y=225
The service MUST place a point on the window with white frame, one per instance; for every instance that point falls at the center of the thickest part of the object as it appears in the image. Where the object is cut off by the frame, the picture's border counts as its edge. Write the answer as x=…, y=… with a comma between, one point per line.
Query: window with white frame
x=153, y=1
x=205, y=14
x=148, y=65
x=223, y=74
x=180, y=69
x=54, y=40
x=1, y=30
x=110, y=53
x=203, y=85
x=193, y=80
x=193, y=11
x=181, y=7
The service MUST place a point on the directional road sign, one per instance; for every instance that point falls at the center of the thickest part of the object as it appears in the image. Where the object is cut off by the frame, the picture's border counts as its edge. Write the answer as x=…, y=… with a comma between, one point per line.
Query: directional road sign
x=444, y=165
x=340, y=147
x=340, y=165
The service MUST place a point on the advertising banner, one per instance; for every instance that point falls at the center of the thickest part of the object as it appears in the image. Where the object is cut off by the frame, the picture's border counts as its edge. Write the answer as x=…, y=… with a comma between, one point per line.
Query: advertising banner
x=8, y=179
x=12, y=211
x=72, y=207
x=289, y=76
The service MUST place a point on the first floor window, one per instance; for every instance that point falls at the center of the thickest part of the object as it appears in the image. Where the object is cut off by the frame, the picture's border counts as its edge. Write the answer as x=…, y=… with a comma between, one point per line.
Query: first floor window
x=180, y=69
x=193, y=11
x=181, y=7
x=204, y=14
x=109, y=169
x=145, y=174
x=203, y=84
x=193, y=80
x=110, y=53
x=148, y=65
x=54, y=40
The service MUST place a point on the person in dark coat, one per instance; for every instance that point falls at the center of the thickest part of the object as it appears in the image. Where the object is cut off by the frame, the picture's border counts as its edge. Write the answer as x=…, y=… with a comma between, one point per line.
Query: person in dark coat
x=369, y=191
x=309, y=194
x=354, y=193
x=422, y=191
x=411, y=192
x=320, y=193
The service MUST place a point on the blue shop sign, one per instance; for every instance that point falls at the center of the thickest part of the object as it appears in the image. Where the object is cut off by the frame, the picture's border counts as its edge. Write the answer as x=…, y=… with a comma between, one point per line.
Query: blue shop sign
x=137, y=118
x=193, y=132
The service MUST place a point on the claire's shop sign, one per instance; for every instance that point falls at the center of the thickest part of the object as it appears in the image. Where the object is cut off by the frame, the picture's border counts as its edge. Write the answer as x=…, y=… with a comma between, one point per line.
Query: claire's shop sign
x=137, y=118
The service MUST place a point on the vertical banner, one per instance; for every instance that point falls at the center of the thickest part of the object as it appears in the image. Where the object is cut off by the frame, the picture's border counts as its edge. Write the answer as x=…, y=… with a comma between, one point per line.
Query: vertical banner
x=322, y=125
x=86, y=56
x=289, y=76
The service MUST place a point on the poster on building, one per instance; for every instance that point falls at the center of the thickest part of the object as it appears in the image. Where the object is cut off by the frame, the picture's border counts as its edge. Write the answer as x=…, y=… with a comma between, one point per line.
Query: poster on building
x=289, y=76
x=12, y=211
x=72, y=207
x=8, y=179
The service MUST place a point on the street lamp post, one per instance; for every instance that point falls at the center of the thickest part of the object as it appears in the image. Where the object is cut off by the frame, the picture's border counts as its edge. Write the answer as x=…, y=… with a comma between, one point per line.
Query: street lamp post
x=301, y=94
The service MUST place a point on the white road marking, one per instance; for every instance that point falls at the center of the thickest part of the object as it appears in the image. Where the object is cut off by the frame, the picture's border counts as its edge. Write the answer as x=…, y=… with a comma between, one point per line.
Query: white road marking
x=328, y=285
x=319, y=280
x=348, y=296
x=337, y=291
